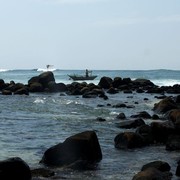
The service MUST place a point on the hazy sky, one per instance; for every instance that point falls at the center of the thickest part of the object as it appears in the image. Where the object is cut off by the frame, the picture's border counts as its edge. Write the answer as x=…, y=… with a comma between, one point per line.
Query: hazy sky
x=93, y=34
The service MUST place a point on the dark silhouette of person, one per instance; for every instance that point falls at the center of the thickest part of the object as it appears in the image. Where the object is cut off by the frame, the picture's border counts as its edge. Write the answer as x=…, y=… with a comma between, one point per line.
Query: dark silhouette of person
x=87, y=73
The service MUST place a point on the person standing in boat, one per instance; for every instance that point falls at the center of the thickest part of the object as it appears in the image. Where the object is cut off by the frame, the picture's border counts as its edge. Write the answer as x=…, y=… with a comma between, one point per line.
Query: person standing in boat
x=87, y=73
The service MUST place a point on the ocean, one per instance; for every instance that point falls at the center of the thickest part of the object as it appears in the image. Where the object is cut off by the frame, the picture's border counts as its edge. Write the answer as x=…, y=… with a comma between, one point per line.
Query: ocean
x=31, y=124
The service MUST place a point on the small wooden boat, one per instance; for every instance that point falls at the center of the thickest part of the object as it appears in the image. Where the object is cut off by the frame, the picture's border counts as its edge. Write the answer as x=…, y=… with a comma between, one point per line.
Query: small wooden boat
x=87, y=76
x=81, y=78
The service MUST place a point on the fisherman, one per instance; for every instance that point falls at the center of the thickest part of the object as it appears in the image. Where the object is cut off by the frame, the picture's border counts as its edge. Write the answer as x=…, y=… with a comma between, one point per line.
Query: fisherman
x=87, y=73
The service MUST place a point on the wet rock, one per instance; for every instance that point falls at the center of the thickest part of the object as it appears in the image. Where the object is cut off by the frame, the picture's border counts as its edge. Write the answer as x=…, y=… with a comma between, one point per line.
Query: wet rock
x=105, y=82
x=160, y=97
x=155, y=117
x=82, y=148
x=146, y=132
x=128, y=124
x=174, y=116
x=160, y=165
x=43, y=79
x=117, y=82
x=22, y=91
x=155, y=90
x=100, y=119
x=121, y=116
x=128, y=140
x=119, y=105
x=14, y=168
x=152, y=174
x=165, y=105
x=62, y=87
x=90, y=95
x=112, y=90
x=36, y=87
x=142, y=114
x=2, y=84
x=173, y=143
x=42, y=172
x=6, y=92
x=143, y=82
x=140, y=91
x=162, y=130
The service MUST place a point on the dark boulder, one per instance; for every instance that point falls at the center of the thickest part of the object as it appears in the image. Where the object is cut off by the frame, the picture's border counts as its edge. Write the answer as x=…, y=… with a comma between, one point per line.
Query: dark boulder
x=142, y=114
x=14, y=87
x=121, y=116
x=143, y=82
x=82, y=149
x=173, y=142
x=22, y=91
x=160, y=165
x=36, y=87
x=52, y=86
x=100, y=119
x=117, y=82
x=130, y=123
x=42, y=172
x=152, y=174
x=112, y=90
x=162, y=130
x=174, y=116
x=14, y=168
x=128, y=140
x=44, y=78
x=6, y=92
x=146, y=132
x=2, y=84
x=62, y=87
x=165, y=105
x=105, y=82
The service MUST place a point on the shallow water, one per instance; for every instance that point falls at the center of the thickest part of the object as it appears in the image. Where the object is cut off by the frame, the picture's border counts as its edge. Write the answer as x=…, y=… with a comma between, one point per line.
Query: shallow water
x=31, y=124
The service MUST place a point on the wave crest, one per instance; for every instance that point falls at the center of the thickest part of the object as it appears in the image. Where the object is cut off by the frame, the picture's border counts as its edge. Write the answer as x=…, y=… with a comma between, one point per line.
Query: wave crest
x=4, y=70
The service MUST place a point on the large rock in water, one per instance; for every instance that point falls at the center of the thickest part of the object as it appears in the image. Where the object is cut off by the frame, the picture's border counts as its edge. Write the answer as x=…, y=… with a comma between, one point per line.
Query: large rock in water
x=165, y=105
x=105, y=82
x=128, y=140
x=82, y=149
x=43, y=79
x=14, y=168
x=156, y=170
x=152, y=174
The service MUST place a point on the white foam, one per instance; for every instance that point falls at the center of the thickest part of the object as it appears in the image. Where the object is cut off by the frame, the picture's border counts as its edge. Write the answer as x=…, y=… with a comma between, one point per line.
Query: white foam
x=166, y=82
x=4, y=70
x=39, y=100
x=45, y=70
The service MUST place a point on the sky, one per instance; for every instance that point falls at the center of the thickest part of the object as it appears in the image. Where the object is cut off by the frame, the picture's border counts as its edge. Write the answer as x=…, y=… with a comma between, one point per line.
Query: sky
x=90, y=34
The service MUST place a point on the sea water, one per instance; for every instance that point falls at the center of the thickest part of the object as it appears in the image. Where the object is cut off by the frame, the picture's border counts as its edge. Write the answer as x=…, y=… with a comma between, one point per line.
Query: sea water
x=29, y=125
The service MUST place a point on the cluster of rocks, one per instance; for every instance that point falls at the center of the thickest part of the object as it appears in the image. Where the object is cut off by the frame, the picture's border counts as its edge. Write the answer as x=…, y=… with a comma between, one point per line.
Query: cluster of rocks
x=165, y=131
x=45, y=82
x=82, y=151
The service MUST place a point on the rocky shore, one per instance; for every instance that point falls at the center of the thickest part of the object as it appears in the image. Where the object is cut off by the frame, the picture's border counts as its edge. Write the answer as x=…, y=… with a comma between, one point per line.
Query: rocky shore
x=82, y=151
